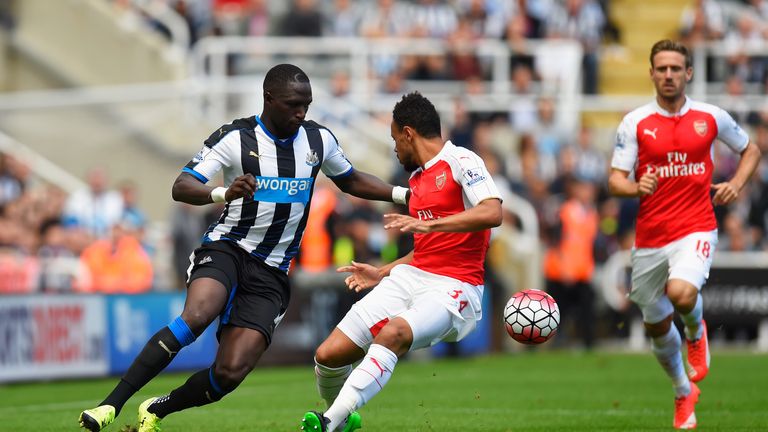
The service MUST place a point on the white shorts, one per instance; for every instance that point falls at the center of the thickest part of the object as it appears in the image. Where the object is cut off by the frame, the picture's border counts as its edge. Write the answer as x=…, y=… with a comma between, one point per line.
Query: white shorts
x=688, y=258
x=438, y=308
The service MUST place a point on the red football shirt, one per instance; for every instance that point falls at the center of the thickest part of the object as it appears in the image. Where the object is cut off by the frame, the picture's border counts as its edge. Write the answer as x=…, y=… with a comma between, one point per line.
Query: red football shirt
x=453, y=181
x=679, y=148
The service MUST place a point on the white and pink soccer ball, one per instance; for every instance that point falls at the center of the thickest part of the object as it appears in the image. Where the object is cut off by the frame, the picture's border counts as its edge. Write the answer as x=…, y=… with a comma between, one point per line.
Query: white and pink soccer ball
x=531, y=316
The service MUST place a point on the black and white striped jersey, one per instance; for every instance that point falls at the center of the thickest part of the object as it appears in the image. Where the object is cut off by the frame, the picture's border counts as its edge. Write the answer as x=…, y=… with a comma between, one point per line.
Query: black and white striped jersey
x=270, y=225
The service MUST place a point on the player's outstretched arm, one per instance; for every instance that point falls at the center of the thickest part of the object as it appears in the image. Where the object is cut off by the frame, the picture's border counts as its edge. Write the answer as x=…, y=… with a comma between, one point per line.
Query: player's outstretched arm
x=365, y=276
x=367, y=186
x=727, y=192
x=620, y=185
x=486, y=214
x=190, y=190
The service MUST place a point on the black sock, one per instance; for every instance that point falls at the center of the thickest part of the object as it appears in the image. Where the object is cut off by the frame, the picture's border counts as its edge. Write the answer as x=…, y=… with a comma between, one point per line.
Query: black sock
x=156, y=355
x=197, y=391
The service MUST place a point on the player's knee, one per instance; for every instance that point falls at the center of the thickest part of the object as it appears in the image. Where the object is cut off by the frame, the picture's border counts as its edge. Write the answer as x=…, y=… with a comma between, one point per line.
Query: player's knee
x=660, y=328
x=197, y=319
x=326, y=356
x=395, y=336
x=683, y=298
x=229, y=375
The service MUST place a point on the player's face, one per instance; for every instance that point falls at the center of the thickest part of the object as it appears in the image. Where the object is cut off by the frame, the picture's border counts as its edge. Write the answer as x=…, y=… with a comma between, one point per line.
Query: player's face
x=288, y=107
x=670, y=75
x=404, y=147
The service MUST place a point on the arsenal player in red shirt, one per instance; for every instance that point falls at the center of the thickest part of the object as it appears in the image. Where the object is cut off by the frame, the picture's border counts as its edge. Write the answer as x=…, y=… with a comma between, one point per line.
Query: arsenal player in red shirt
x=432, y=294
x=668, y=144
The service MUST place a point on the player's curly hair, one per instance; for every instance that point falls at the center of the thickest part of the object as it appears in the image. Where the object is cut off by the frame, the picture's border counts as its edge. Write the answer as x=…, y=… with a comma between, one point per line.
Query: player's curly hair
x=416, y=111
x=670, y=45
x=279, y=76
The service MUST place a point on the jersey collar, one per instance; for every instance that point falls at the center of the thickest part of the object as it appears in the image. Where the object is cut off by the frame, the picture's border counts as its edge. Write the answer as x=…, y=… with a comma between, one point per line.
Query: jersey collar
x=683, y=110
x=276, y=140
x=438, y=156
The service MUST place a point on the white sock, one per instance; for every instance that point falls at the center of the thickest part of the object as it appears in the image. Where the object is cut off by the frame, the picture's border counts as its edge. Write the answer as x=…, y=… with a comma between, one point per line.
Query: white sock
x=365, y=381
x=330, y=380
x=666, y=348
x=692, y=320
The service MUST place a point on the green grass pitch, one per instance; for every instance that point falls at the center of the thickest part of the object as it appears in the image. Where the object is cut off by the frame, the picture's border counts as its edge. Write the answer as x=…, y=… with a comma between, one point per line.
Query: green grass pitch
x=527, y=391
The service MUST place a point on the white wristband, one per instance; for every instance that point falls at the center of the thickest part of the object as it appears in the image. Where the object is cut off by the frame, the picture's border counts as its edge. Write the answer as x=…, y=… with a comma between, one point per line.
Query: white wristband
x=219, y=194
x=399, y=195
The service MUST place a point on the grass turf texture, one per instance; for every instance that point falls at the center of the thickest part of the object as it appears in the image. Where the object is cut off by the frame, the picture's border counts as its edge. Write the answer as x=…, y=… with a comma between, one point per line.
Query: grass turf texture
x=529, y=391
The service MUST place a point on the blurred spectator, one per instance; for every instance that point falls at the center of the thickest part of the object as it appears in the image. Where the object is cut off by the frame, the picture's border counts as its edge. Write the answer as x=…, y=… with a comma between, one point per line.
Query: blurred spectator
x=186, y=225
x=95, y=208
x=345, y=19
x=302, y=19
x=549, y=134
x=258, y=18
x=433, y=19
x=387, y=18
x=316, y=251
x=463, y=61
x=522, y=112
x=591, y=163
x=583, y=21
x=118, y=264
x=701, y=22
x=229, y=17
x=131, y=211
x=11, y=183
x=517, y=40
x=745, y=37
x=60, y=269
x=569, y=260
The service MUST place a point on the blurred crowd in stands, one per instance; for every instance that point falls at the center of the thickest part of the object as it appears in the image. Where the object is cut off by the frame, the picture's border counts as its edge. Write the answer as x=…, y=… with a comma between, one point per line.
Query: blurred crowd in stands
x=94, y=240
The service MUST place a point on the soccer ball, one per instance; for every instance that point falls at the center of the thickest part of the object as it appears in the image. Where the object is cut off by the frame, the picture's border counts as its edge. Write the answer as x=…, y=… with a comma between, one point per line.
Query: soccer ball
x=531, y=316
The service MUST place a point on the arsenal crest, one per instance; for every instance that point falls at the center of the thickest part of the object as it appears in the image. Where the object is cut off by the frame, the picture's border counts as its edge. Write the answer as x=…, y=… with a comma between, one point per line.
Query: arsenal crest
x=700, y=126
x=440, y=181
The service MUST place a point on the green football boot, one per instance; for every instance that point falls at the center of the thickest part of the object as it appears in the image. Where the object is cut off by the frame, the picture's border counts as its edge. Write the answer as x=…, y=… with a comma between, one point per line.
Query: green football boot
x=147, y=421
x=96, y=419
x=314, y=421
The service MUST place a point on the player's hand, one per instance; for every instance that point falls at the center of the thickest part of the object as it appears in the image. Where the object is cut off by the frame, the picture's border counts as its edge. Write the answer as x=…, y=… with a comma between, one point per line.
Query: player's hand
x=406, y=223
x=725, y=193
x=648, y=183
x=363, y=277
x=243, y=186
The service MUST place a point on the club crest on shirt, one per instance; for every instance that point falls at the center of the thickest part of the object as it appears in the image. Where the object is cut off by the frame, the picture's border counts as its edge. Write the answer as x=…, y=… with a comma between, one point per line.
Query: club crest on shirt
x=700, y=126
x=440, y=181
x=312, y=158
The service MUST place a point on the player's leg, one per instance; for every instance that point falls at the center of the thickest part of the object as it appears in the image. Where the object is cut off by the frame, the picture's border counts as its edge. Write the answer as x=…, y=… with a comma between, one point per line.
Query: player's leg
x=333, y=364
x=666, y=343
x=427, y=322
x=205, y=299
x=239, y=351
x=689, y=269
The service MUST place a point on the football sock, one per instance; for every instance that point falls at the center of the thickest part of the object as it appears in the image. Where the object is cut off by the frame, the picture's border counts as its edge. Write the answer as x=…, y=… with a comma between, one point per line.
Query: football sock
x=365, y=381
x=200, y=389
x=667, y=351
x=330, y=380
x=156, y=355
x=692, y=320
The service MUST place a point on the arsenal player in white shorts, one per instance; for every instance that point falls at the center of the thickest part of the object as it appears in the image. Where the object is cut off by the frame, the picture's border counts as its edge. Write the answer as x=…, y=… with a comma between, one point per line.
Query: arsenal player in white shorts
x=432, y=294
x=668, y=143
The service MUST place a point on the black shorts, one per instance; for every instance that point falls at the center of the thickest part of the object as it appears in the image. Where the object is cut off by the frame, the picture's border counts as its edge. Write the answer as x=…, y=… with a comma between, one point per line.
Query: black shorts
x=258, y=294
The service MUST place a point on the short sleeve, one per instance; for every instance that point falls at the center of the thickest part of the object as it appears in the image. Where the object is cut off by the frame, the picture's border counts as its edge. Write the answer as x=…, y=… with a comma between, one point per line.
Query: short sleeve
x=476, y=182
x=210, y=160
x=729, y=132
x=335, y=163
x=625, y=147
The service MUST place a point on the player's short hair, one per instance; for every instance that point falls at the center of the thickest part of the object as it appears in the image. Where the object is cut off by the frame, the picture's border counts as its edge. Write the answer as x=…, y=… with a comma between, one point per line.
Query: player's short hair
x=416, y=111
x=670, y=45
x=279, y=76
